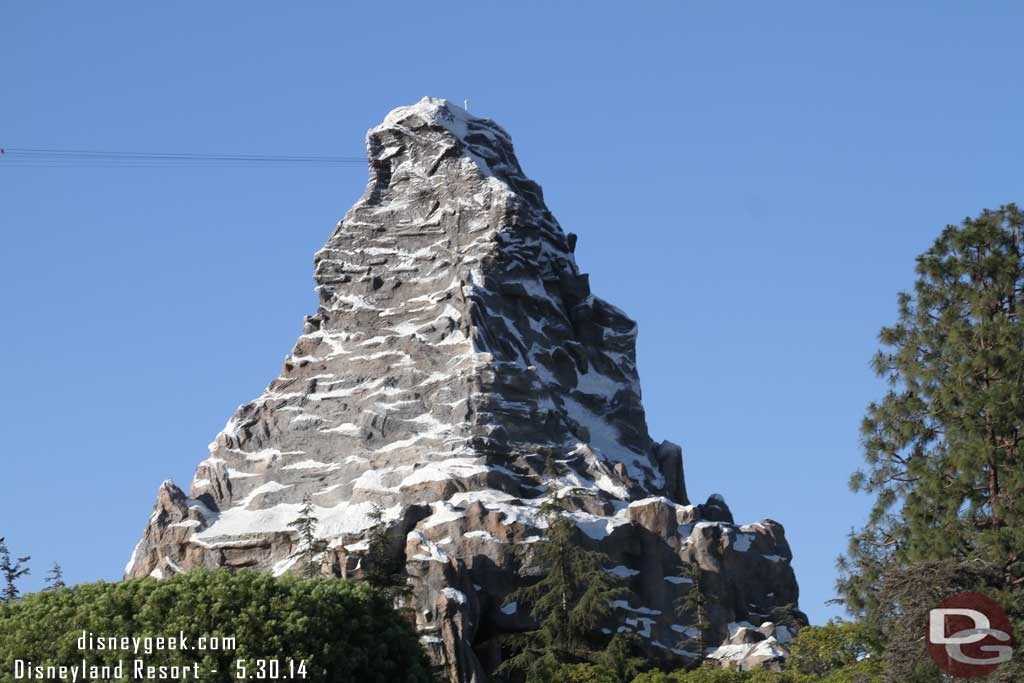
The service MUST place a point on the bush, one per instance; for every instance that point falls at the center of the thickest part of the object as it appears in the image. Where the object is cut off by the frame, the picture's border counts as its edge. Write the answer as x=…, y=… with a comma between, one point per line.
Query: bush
x=342, y=631
x=823, y=649
x=584, y=673
x=706, y=674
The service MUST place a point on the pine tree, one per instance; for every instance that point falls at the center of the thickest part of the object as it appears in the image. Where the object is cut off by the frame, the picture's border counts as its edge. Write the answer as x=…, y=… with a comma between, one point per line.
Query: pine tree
x=619, y=660
x=943, y=447
x=12, y=571
x=785, y=615
x=552, y=468
x=383, y=568
x=569, y=602
x=55, y=578
x=695, y=604
x=310, y=547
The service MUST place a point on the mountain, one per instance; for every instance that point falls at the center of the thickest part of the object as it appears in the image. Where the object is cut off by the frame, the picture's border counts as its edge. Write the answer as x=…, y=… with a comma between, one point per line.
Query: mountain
x=456, y=351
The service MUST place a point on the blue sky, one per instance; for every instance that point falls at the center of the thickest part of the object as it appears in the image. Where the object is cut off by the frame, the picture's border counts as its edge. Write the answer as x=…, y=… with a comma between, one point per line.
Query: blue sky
x=750, y=181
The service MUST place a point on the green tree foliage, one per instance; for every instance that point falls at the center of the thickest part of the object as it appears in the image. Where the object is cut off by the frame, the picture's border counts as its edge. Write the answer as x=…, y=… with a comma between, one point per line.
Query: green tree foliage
x=310, y=547
x=707, y=674
x=383, y=568
x=12, y=570
x=552, y=468
x=55, y=578
x=618, y=661
x=943, y=447
x=569, y=603
x=834, y=653
x=584, y=673
x=905, y=597
x=694, y=604
x=861, y=672
x=785, y=615
x=345, y=632
x=825, y=649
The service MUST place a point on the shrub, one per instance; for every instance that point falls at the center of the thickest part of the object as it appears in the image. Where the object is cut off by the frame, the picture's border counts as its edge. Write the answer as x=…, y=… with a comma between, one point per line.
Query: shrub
x=342, y=631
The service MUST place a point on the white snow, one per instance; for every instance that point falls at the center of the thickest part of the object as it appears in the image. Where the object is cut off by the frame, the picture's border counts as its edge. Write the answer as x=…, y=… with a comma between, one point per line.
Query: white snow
x=131, y=560
x=604, y=439
x=443, y=512
x=264, y=454
x=344, y=428
x=311, y=465
x=429, y=551
x=282, y=566
x=653, y=499
x=742, y=542
x=596, y=527
x=735, y=627
x=784, y=634
x=768, y=648
x=238, y=523
x=441, y=470
x=623, y=604
x=186, y=523
x=622, y=571
x=456, y=595
x=678, y=579
x=687, y=631
x=645, y=630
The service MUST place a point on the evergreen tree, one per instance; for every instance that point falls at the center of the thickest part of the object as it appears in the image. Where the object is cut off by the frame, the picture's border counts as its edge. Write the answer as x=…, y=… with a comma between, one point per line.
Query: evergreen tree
x=943, y=447
x=619, y=660
x=310, y=547
x=12, y=571
x=695, y=604
x=383, y=567
x=55, y=578
x=905, y=598
x=552, y=468
x=569, y=602
x=785, y=615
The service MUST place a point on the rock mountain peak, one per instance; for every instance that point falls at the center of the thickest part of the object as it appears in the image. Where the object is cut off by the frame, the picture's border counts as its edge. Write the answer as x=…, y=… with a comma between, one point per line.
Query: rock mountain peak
x=456, y=354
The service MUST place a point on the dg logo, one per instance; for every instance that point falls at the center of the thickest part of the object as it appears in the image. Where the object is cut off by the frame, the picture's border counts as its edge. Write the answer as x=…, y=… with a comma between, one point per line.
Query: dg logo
x=969, y=635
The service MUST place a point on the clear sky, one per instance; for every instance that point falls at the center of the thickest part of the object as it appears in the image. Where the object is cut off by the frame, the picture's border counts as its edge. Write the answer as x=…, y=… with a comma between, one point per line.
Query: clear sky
x=750, y=181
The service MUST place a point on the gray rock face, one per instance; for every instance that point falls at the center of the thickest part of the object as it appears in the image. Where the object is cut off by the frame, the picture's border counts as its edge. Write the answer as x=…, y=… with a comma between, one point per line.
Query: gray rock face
x=457, y=348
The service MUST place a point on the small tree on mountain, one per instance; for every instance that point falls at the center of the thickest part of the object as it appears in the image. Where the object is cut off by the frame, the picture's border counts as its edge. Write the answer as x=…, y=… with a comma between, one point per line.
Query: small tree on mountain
x=569, y=602
x=785, y=615
x=695, y=604
x=11, y=571
x=619, y=658
x=552, y=468
x=55, y=578
x=310, y=547
x=383, y=569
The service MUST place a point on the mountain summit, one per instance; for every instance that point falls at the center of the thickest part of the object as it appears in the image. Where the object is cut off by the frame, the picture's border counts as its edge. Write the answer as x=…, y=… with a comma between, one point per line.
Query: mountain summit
x=457, y=374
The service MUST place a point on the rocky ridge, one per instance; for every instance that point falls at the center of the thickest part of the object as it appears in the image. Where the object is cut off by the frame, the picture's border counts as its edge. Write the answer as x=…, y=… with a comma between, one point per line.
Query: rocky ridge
x=456, y=351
